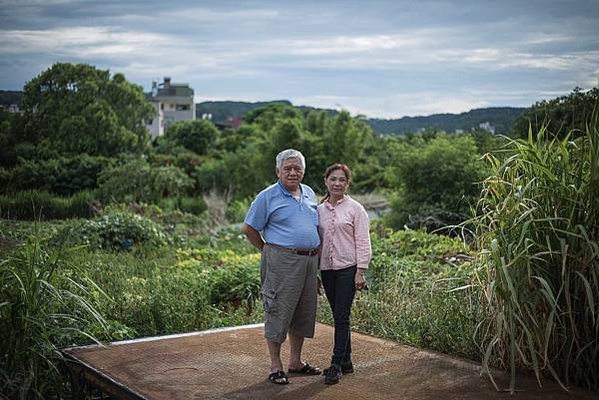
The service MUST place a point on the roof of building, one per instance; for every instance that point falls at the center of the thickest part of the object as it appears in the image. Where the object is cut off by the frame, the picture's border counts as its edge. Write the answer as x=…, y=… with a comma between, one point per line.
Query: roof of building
x=175, y=90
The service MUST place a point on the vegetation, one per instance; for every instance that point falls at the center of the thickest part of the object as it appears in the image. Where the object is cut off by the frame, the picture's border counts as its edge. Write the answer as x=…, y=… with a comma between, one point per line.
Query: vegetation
x=45, y=303
x=68, y=99
x=412, y=299
x=41, y=205
x=132, y=238
x=559, y=117
x=437, y=181
x=500, y=118
x=538, y=242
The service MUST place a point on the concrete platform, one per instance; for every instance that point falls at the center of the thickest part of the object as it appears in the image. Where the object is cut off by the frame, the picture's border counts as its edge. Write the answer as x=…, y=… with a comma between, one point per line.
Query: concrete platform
x=232, y=363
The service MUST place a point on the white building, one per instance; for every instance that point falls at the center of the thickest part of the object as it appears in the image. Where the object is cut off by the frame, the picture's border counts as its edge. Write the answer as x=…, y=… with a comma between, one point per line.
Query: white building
x=487, y=126
x=173, y=102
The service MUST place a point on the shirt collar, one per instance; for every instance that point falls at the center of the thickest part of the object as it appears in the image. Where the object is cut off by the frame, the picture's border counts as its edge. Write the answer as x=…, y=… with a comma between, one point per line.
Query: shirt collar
x=330, y=206
x=286, y=192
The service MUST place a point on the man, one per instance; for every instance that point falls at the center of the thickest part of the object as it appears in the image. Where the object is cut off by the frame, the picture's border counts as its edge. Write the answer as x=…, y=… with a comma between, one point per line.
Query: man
x=282, y=223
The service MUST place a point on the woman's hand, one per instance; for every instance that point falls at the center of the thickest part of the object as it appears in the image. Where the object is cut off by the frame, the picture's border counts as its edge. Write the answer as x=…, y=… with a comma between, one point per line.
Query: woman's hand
x=359, y=279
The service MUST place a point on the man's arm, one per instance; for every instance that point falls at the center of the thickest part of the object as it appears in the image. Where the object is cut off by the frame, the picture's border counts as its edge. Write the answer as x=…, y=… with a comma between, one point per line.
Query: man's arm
x=253, y=236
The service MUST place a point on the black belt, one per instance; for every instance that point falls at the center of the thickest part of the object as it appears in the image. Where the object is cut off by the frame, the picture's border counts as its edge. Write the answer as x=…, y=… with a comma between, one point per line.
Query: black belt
x=299, y=252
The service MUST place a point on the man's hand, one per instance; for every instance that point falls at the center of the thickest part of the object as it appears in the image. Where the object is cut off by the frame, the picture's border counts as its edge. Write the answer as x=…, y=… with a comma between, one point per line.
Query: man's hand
x=253, y=236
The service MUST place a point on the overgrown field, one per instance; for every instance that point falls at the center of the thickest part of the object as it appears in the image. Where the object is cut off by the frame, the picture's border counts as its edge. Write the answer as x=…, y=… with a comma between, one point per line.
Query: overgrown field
x=122, y=275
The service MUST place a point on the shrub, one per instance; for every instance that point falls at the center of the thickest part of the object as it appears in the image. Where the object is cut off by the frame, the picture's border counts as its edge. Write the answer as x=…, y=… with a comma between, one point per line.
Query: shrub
x=191, y=205
x=115, y=230
x=35, y=205
x=163, y=291
x=427, y=254
x=137, y=181
x=438, y=183
x=237, y=209
x=231, y=278
x=198, y=136
x=64, y=176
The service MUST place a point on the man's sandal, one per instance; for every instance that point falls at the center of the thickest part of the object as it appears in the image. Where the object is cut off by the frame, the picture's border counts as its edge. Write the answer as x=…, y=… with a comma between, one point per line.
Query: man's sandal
x=307, y=369
x=279, y=378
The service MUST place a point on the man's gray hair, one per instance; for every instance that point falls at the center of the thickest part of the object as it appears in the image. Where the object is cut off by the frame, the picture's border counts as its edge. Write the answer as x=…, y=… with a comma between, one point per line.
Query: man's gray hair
x=290, y=153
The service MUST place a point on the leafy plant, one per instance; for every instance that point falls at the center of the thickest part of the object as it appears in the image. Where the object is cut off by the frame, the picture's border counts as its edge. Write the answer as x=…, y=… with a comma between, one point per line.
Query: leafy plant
x=115, y=230
x=65, y=175
x=44, y=305
x=438, y=183
x=538, y=239
x=137, y=181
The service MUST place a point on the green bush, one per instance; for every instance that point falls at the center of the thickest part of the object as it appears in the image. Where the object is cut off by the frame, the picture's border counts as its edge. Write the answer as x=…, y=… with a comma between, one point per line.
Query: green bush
x=191, y=205
x=438, y=183
x=198, y=136
x=36, y=205
x=237, y=209
x=137, y=181
x=64, y=176
x=429, y=252
x=114, y=230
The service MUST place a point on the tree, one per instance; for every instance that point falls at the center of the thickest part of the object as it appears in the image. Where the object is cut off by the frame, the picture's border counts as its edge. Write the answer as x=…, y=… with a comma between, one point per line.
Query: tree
x=560, y=115
x=199, y=136
x=9, y=124
x=437, y=182
x=77, y=108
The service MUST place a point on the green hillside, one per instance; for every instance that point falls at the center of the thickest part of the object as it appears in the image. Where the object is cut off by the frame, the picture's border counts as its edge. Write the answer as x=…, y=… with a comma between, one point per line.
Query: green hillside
x=499, y=118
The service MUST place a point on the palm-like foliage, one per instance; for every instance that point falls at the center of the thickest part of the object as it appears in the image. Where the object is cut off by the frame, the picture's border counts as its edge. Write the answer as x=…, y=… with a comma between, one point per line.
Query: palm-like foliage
x=539, y=239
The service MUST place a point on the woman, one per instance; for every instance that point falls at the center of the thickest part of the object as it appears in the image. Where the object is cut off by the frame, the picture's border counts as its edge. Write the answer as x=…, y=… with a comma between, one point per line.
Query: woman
x=345, y=254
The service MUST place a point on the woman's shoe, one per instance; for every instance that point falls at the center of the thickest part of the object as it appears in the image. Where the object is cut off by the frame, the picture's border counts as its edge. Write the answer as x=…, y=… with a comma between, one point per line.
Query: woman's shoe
x=333, y=374
x=346, y=368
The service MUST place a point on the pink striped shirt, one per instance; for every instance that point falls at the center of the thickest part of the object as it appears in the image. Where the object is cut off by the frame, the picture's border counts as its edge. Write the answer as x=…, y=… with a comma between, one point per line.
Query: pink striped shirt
x=344, y=235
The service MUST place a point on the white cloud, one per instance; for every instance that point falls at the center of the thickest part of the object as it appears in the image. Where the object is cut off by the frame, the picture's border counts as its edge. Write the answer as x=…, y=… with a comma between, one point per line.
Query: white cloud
x=212, y=16
x=348, y=44
x=77, y=41
x=395, y=105
x=437, y=56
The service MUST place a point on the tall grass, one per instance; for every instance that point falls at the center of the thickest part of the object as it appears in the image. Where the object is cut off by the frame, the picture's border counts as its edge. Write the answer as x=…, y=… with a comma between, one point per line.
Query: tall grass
x=34, y=204
x=43, y=306
x=538, y=238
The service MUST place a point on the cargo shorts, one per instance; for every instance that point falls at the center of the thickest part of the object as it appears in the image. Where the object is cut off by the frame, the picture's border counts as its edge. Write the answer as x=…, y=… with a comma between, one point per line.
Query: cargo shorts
x=289, y=293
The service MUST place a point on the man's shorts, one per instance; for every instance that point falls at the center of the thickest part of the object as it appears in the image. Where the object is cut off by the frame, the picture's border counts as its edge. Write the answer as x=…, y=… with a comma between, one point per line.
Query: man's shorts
x=289, y=293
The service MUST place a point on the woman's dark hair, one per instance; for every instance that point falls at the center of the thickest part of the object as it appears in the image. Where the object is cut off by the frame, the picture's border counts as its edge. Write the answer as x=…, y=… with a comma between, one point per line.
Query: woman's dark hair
x=330, y=170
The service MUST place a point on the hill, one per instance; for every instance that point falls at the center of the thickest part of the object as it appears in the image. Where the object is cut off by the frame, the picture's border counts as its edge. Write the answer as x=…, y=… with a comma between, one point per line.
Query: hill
x=495, y=119
x=8, y=97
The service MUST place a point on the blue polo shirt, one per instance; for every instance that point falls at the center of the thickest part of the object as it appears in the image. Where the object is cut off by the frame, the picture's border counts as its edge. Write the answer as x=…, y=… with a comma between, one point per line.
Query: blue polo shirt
x=284, y=221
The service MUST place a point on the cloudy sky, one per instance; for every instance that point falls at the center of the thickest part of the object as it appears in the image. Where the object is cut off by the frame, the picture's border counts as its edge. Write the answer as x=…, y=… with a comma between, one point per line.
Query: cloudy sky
x=378, y=58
